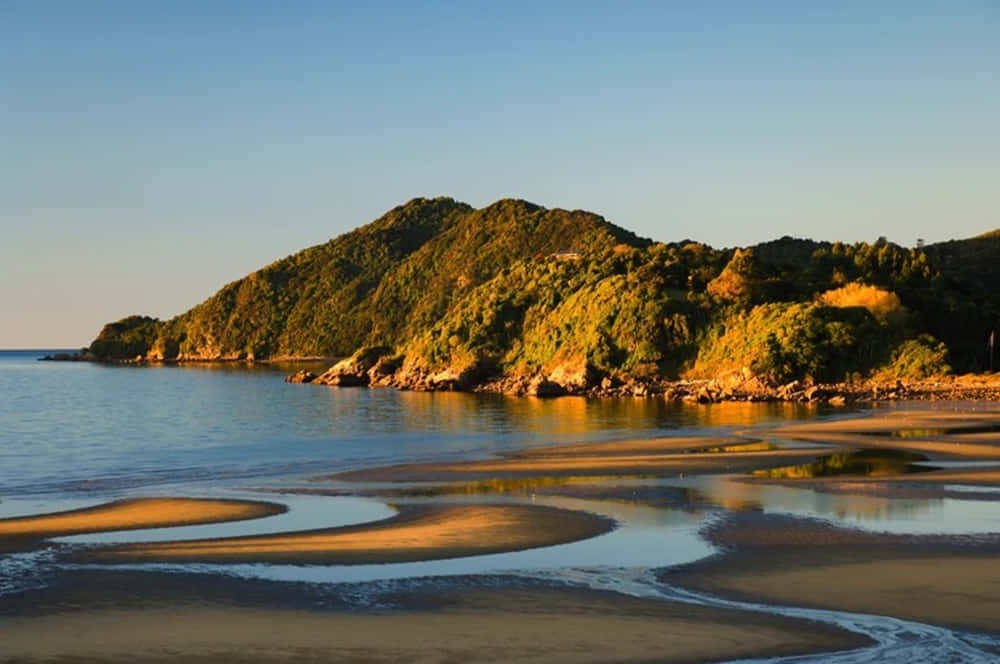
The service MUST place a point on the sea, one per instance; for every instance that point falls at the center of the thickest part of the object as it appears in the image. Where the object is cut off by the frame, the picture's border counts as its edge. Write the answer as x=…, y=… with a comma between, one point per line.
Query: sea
x=80, y=428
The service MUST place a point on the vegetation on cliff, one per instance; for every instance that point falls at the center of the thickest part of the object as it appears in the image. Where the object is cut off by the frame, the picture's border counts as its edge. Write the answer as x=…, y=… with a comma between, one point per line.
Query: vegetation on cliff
x=439, y=294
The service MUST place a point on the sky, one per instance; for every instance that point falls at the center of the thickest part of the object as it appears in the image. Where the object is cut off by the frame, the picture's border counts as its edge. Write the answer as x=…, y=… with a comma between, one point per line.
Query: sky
x=152, y=151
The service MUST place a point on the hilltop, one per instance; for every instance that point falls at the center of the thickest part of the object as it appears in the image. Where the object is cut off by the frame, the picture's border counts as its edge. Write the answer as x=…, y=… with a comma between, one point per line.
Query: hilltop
x=436, y=294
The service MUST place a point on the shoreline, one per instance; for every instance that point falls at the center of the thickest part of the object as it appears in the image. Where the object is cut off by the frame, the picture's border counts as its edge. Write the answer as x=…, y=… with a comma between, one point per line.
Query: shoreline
x=951, y=387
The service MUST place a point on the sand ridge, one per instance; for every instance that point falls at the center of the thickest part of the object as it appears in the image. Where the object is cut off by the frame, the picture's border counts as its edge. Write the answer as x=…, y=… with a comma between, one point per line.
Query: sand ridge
x=135, y=514
x=417, y=532
x=608, y=464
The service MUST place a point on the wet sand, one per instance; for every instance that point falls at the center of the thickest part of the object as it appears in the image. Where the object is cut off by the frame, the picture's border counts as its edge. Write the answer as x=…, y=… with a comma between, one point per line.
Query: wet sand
x=418, y=532
x=134, y=514
x=948, y=580
x=585, y=464
x=135, y=617
x=944, y=580
x=930, y=484
x=665, y=444
x=938, y=434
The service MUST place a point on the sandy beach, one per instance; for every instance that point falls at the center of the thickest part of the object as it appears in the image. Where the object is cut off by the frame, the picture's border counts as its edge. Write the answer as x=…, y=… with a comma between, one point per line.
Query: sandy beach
x=136, y=617
x=947, y=580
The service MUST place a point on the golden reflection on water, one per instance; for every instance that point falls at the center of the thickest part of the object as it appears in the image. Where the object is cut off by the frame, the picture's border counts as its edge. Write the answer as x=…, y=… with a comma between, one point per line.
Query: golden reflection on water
x=498, y=485
x=739, y=496
x=864, y=463
x=563, y=417
x=738, y=448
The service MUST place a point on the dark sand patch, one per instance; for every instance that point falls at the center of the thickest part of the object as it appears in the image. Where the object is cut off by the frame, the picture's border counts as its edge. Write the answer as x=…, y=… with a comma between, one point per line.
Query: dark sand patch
x=135, y=617
x=418, y=532
x=941, y=579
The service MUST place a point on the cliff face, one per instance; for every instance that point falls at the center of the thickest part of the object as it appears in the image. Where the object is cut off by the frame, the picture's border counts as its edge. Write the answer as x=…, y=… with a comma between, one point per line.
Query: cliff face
x=436, y=294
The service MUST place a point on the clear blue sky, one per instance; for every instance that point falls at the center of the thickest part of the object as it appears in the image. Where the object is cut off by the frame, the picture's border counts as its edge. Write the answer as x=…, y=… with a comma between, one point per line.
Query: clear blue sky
x=152, y=151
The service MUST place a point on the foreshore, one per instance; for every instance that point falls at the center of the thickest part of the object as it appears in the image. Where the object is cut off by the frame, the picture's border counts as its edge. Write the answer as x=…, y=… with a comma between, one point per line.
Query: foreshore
x=417, y=532
x=944, y=580
x=106, y=613
x=120, y=616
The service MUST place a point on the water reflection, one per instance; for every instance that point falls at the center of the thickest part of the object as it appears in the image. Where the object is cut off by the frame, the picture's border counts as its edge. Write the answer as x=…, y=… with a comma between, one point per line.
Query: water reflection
x=935, y=432
x=646, y=537
x=874, y=463
x=879, y=513
x=81, y=428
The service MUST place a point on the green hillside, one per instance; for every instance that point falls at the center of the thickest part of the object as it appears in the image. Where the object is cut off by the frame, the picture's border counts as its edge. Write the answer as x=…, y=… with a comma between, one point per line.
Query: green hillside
x=456, y=296
x=375, y=285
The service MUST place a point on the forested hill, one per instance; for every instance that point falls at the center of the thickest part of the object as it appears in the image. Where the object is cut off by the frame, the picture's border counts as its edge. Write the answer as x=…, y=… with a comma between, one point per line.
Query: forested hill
x=438, y=294
x=380, y=283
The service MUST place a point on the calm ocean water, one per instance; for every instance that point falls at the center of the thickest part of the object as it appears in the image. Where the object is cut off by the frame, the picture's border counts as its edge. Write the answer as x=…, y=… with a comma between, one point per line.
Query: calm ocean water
x=82, y=429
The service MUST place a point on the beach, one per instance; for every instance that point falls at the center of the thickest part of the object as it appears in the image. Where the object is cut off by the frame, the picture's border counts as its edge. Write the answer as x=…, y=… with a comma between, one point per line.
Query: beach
x=135, y=617
x=447, y=510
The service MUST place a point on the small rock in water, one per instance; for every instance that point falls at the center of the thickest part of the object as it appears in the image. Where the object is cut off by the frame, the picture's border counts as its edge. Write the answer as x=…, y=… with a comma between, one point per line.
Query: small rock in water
x=301, y=376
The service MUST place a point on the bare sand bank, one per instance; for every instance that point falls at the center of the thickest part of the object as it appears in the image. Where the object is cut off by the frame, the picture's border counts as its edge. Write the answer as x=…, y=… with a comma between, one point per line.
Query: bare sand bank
x=418, y=532
x=584, y=464
x=943, y=434
x=662, y=445
x=132, y=617
x=134, y=514
x=945, y=580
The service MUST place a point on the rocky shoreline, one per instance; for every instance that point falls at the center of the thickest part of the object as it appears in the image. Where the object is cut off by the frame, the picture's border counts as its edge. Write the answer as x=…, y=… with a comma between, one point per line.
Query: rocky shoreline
x=375, y=368
x=738, y=387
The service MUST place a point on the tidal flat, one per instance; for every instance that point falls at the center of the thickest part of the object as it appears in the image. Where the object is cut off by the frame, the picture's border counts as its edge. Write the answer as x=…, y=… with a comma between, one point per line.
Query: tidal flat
x=563, y=530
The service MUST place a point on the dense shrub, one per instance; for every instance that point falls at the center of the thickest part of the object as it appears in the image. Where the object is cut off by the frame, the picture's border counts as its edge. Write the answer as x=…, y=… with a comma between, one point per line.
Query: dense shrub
x=514, y=287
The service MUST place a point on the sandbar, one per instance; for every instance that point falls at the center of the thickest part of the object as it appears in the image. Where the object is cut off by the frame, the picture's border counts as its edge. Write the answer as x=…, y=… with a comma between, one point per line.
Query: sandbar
x=417, y=532
x=941, y=434
x=133, y=514
x=582, y=465
x=663, y=444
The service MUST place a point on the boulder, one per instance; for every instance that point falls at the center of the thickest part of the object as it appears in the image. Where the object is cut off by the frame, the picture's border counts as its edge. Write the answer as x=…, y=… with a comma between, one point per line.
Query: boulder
x=353, y=371
x=814, y=393
x=346, y=380
x=543, y=387
x=572, y=376
x=705, y=395
x=384, y=367
x=301, y=376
